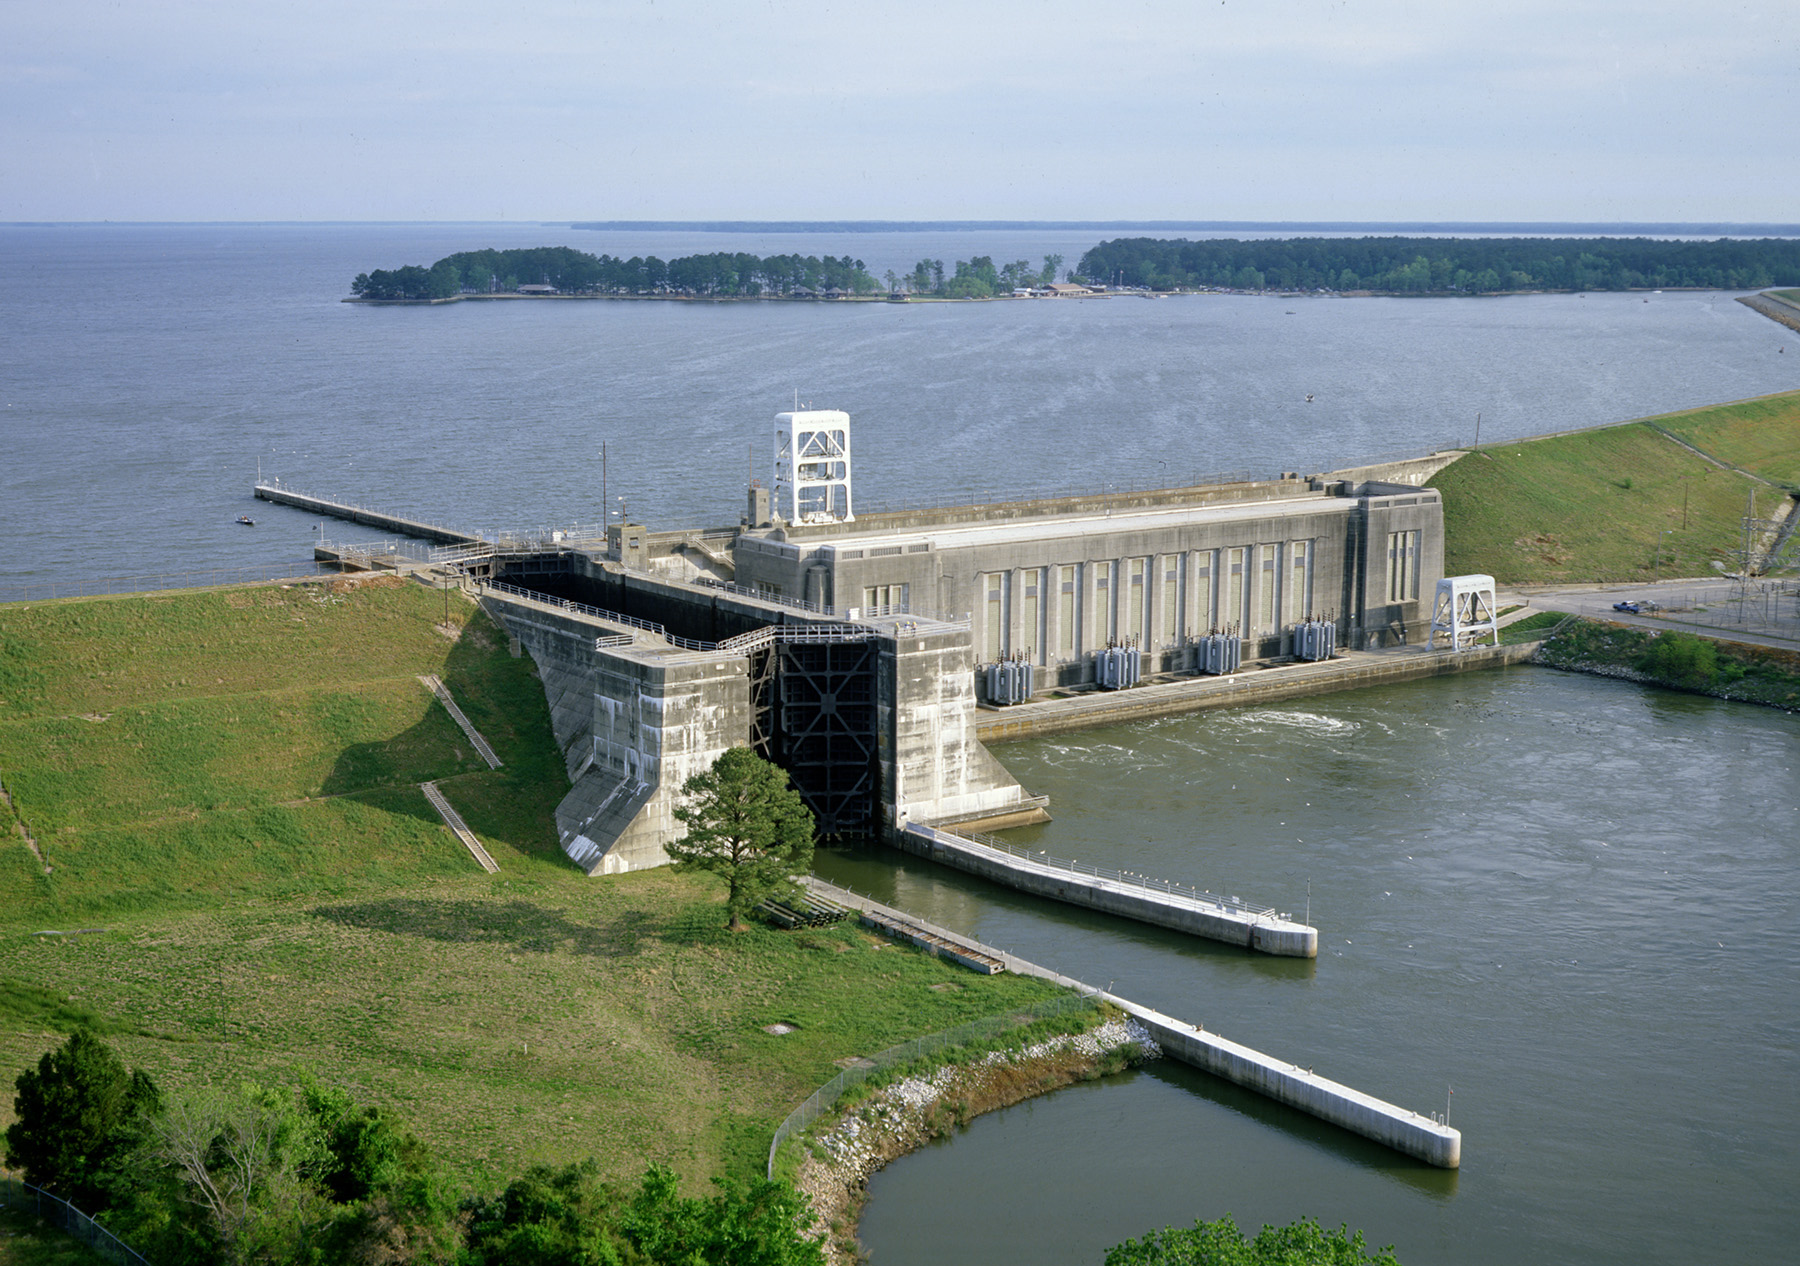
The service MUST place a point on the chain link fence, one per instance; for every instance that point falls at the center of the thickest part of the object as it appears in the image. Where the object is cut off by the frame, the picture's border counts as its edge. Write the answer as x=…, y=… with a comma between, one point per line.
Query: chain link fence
x=822, y=1099
x=15, y=1194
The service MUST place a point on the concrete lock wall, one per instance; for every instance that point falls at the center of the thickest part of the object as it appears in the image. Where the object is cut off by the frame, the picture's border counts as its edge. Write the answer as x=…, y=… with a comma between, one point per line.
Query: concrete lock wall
x=934, y=766
x=634, y=722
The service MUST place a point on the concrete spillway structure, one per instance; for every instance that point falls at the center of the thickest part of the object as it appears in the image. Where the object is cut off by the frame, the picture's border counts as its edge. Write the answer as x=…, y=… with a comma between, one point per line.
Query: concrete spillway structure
x=1182, y=909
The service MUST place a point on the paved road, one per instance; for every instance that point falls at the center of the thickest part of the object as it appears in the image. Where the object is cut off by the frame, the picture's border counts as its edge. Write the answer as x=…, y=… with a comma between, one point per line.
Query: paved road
x=1705, y=605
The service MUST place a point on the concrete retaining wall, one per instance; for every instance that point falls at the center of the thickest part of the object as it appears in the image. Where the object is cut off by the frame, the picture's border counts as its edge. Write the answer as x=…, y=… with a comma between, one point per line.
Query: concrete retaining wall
x=1301, y=1088
x=1388, y=1124
x=1295, y=681
x=1268, y=935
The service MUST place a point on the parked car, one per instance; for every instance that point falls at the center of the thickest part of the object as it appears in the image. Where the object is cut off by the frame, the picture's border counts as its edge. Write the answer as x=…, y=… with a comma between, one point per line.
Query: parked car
x=1630, y=608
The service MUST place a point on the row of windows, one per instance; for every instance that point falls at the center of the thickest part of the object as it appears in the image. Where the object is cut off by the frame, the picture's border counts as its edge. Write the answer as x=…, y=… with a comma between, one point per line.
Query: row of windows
x=1061, y=612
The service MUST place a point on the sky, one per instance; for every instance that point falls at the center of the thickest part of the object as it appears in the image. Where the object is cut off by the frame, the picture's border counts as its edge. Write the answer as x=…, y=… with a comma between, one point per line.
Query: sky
x=1357, y=110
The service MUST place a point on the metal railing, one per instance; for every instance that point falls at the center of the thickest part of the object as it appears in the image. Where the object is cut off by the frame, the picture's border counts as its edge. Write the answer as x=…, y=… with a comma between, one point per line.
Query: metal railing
x=15, y=1194
x=598, y=613
x=820, y=1101
x=275, y=485
x=741, y=644
x=1004, y=496
x=1166, y=887
x=770, y=634
x=39, y=591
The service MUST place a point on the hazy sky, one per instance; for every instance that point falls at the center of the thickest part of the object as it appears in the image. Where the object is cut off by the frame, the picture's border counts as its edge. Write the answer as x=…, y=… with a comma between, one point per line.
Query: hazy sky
x=1667, y=110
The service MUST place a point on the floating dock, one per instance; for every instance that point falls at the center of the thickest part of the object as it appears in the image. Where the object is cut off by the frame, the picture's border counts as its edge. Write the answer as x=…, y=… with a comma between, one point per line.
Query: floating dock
x=1160, y=902
x=1411, y=1133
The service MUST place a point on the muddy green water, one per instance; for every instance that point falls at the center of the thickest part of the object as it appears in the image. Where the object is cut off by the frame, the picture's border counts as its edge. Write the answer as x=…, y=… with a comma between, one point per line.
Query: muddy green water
x=1570, y=899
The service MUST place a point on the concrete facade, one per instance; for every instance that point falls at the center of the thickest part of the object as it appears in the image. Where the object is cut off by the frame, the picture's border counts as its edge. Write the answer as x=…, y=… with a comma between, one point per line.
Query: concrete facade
x=637, y=713
x=1053, y=581
x=635, y=721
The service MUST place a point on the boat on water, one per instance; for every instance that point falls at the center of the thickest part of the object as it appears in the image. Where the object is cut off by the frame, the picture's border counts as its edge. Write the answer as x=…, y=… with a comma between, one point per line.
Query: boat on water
x=246, y=520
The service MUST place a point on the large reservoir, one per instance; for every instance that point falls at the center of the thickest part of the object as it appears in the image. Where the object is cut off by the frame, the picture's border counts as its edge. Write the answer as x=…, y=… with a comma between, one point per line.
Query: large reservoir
x=149, y=371
x=1571, y=900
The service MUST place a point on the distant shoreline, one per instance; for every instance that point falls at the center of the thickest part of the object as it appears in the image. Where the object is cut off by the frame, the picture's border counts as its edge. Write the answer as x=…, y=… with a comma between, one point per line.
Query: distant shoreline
x=1097, y=294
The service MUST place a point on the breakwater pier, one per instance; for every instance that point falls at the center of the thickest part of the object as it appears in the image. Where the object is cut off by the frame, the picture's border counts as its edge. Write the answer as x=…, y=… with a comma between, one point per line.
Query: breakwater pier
x=1411, y=1133
x=1159, y=902
x=272, y=491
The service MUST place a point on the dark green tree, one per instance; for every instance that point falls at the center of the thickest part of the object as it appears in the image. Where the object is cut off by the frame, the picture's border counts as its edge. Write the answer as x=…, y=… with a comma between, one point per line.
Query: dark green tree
x=1302, y=1243
x=1681, y=659
x=80, y=1113
x=746, y=825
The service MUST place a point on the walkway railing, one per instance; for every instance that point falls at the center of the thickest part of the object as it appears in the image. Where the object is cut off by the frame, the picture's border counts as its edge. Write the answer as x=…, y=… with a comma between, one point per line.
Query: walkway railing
x=15, y=1194
x=742, y=644
x=1166, y=887
x=820, y=1101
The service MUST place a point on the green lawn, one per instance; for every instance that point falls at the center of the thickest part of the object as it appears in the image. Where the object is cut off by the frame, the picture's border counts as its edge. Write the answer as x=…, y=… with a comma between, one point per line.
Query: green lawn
x=223, y=783
x=1762, y=436
x=28, y=1240
x=1597, y=505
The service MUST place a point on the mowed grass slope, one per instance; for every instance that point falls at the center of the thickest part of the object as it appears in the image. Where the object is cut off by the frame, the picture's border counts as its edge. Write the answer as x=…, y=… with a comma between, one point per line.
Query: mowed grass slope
x=1761, y=435
x=178, y=748
x=272, y=894
x=1623, y=503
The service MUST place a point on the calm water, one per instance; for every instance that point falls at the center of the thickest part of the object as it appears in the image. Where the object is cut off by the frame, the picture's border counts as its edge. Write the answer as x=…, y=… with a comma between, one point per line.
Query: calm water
x=1572, y=900
x=146, y=373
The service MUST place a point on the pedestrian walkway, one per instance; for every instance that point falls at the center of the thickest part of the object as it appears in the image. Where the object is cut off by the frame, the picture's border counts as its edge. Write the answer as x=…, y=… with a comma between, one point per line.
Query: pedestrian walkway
x=435, y=684
x=458, y=827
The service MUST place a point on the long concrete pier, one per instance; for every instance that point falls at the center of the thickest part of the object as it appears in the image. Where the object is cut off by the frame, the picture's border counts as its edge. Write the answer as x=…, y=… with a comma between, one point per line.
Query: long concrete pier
x=1113, y=892
x=1410, y=1133
x=275, y=493
x=1346, y=671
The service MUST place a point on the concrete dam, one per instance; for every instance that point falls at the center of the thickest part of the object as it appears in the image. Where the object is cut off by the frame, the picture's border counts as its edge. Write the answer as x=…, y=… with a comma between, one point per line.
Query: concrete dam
x=849, y=650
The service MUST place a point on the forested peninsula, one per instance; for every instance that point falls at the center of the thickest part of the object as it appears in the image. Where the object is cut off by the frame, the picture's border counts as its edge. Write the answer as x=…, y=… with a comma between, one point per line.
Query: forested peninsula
x=1380, y=265
x=1439, y=265
x=568, y=271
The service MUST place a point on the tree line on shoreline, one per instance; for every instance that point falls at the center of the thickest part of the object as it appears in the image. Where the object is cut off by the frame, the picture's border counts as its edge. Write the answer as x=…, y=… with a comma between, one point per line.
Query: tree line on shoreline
x=570, y=271
x=1436, y=265
x=718, y=275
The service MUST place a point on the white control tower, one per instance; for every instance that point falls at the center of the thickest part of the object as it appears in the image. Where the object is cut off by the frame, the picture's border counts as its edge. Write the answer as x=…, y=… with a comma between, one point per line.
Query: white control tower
x=812, y=466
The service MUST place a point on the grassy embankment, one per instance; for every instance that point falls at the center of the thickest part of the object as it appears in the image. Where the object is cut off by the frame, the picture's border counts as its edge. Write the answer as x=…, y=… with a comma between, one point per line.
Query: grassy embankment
x=224, y=782
x=1608, y=504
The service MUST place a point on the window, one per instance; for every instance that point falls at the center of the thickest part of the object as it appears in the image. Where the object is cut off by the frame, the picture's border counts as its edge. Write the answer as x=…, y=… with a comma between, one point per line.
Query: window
x=1299, y=591
x=1205, y=563
x=1233, y=614
x=1403, y=567
x=1169, y=567
x=1106, y=612
x=885, y=600
x=995, y=642
x=1031, y=626
x=1266, y=580
x=1068, y=611
x=1136, y=596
